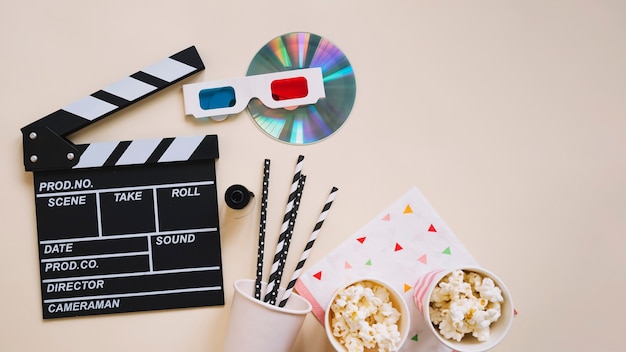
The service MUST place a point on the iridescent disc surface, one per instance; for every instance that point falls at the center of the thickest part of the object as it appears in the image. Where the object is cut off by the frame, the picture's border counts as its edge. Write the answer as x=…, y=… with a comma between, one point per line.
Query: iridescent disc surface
x=308, y=123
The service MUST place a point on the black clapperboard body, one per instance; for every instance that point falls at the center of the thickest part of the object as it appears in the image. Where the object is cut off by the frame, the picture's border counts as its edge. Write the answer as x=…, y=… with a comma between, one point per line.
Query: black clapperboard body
x=125, y=226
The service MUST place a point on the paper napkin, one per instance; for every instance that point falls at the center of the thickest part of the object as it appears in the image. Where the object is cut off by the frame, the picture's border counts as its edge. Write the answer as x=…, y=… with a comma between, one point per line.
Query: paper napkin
x=405, y=241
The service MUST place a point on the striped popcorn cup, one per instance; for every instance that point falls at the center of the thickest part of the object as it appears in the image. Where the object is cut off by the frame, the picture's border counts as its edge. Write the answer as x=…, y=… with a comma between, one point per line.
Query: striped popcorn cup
x=423, y=290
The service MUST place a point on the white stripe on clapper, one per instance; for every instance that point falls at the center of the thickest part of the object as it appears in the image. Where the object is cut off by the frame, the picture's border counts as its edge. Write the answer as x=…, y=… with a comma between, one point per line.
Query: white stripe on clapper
x=138, y=152
x=96, y=154
x=181, y=149
x=168, y=69
x=90, y=108
x=129, y=88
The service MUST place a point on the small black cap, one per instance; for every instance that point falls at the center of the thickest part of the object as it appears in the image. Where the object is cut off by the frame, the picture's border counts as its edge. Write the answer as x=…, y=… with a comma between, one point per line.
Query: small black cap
x=237, y=196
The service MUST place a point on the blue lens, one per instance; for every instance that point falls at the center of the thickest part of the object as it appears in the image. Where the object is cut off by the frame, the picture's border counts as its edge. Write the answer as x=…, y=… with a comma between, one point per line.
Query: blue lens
x=217, y=98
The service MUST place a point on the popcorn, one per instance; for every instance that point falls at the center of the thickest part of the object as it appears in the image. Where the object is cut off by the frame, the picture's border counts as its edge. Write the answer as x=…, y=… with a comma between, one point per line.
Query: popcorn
x=364, y=318
x=465, y=303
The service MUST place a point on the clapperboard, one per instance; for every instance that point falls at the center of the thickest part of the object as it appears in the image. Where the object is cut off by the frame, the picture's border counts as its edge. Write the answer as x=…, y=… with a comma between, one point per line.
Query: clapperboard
x=125, y=226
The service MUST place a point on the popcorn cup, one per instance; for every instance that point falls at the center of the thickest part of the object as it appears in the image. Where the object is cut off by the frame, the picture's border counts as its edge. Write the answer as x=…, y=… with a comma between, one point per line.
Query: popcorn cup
x=423, y=290
x=397, y=302
x=261, y=327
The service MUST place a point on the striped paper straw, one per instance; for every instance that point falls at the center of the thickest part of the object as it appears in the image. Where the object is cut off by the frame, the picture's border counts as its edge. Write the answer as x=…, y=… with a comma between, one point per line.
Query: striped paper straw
x=283, y=257
x=272, y=285
x=261, y=249
x=309, y=245
x=292, y=224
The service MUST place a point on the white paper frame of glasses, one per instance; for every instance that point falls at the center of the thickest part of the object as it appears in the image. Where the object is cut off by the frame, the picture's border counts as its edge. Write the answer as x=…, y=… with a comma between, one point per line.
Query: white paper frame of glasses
x=256, y=86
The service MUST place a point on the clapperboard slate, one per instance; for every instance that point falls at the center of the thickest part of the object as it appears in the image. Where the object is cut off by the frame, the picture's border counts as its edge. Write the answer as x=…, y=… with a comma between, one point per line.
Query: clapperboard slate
x=125, y=226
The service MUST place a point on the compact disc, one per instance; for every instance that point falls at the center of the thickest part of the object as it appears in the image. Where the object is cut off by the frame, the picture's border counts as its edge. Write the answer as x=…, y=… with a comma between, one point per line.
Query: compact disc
x=307, y=123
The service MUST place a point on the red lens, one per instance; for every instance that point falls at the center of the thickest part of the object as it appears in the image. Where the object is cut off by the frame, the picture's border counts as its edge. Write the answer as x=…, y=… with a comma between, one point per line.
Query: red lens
x=290, y=88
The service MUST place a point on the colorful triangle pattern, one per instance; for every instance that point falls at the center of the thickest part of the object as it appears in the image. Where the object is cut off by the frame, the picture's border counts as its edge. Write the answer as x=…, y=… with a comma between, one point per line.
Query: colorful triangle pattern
x=379, y=242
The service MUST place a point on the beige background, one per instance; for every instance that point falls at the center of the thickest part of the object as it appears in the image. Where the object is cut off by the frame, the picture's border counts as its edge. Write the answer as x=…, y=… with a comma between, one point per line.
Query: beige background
x=510, y=116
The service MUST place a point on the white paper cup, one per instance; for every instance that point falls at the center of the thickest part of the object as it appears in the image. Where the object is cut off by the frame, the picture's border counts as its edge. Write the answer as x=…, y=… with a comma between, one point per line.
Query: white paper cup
x=423, y=289
x=397, y=302
x=261, y=327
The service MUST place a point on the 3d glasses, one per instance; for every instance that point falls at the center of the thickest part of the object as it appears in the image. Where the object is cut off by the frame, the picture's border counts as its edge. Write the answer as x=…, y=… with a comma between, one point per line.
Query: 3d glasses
x=286, y=89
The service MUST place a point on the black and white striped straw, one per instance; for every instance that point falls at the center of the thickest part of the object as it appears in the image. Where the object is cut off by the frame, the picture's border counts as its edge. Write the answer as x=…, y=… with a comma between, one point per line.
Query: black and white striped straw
x=276, y=271
x=309, y=245
x=285, y=251
x=261, y=249
x=292, y=224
